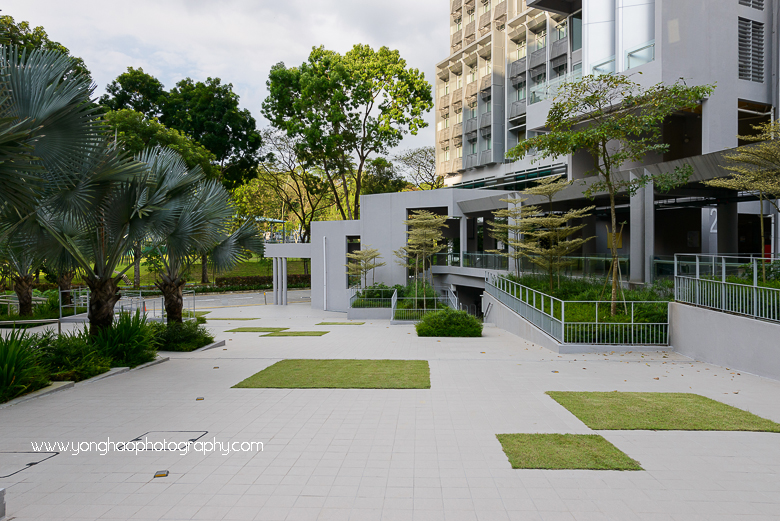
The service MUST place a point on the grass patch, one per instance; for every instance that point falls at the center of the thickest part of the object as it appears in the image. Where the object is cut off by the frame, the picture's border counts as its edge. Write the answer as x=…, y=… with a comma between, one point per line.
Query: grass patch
x=340, y=324
x=659, y=412
x=257, y=330
x=564, y=451
x=297, y=333
x=342, y=374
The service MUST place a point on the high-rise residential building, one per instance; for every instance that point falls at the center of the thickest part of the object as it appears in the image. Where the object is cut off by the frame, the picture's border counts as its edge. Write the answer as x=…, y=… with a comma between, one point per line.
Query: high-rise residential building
x=508, y=59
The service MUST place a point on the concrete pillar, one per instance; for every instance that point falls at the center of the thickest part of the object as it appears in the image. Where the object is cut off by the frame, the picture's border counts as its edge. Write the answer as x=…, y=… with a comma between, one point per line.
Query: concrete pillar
x=589, y=248
x=284, y=281
x=275, y=281
x=728, y=229
x=463, y=237
x=649, y=218
x=637, y=241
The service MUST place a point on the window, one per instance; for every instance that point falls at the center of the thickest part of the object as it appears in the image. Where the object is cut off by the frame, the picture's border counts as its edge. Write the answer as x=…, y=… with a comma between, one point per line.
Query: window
x=472, y=74
x=521, y=91
x=559, y=70
x=488, y=106
x=459, y=82
x=560, y=30
x=473, y=147
x=488, y=68
x=486, y=7
x=751, y=50
x=446, y=153
x=472, y=16
x=576, y=31
x=541, y=39
x=446, y=88
x=458, y=152
x=473, y=110
x=446, y=121
x=488, y=142
x=521, y=50
x=459, y=117
x=755, y=4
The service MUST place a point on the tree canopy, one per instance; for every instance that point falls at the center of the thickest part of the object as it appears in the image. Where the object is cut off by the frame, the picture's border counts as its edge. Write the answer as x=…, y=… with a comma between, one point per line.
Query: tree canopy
x=419, y=165
x=381, y=178
x=135, y=90
x=344, y=109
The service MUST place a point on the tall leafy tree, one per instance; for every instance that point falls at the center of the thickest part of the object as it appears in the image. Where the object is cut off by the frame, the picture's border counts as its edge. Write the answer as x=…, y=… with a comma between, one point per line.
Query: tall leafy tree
x=381, y=178
x=344, y=109
x=419, y=165
x=617, y=122
x=21, y=37
x=209, y=113
x=135, y=90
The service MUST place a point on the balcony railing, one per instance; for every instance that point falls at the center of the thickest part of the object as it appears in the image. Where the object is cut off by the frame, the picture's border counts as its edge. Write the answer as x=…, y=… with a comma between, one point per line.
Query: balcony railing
x=444, y=135
x=471, y=125
x=486, y=157
x=537, y=58
x=457, y=164
x=517, y=109
x=559, y=48
x=640, y=56
x=485, y=119
x=444, y=101
x=470, y=29
x=486, y=261
x=550, y=88
x=471, y=161
x=456, y=6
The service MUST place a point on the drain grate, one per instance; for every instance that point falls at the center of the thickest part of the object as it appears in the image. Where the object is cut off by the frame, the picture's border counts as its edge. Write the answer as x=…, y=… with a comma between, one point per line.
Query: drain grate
x=14, y=462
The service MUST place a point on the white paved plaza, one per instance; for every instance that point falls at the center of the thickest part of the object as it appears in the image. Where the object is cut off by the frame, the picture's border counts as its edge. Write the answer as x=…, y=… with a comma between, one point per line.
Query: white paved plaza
x=382, y=454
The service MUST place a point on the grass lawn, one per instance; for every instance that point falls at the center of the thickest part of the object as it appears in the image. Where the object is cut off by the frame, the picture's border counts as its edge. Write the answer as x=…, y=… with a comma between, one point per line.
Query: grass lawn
x=257, y=330
x=564, y=451
x=659, y=411
x=297, y=333
x=342, y=374
x=340, y=324
x=252, y=267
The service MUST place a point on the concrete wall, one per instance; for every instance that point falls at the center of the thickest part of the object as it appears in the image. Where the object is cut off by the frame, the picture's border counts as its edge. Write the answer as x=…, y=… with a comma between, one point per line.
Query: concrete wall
x=328, y=259
x=297, y=250
x=732, y=341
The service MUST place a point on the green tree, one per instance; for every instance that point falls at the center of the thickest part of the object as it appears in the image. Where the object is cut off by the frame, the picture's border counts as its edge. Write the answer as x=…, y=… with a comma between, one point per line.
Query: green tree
x=419, y=165
x=617, y=122
x=424, y=240
x=508, y=227
x=344, y=107
x=22, y=37
x=755, y=168
x=137, y=91
x=209, y=113
x=363, y=261
x=381, y=178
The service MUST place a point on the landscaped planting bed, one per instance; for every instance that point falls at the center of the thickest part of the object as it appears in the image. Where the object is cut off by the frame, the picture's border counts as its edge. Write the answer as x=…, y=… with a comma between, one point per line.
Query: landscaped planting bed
x=564, y=451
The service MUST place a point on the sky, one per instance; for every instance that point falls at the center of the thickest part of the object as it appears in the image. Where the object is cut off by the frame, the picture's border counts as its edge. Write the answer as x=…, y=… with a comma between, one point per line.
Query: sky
x=237, y=40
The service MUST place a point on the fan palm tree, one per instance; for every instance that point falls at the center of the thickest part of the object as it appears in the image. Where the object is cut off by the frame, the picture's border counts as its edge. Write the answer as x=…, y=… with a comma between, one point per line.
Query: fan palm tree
x=201, y=224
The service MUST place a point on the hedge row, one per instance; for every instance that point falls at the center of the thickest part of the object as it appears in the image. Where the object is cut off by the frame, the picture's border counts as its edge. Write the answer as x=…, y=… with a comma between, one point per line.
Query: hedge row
x=263, y=280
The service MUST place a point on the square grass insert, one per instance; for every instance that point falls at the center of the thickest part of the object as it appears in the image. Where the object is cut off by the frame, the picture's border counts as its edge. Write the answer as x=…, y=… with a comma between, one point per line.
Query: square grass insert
x=257, y=330
x=340, y=324
x=564, y=451
x=659, y=411
x=223, y=318
x=296, y=333
x=342, y=374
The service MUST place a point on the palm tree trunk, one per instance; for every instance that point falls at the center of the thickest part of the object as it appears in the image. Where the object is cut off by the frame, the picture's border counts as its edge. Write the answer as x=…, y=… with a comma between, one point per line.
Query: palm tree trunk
x=23, y=289
x=173, y=298
x=104, y=294
x=64, y=282
x=137, y=266
x=204, y=269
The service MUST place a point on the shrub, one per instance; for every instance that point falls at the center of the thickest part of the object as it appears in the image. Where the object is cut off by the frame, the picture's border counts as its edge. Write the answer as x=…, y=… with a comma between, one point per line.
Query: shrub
x=131, y=341
x=263, y=280
x=72, y=356
x=20, y=371
x=186, y=336
x=449, y=323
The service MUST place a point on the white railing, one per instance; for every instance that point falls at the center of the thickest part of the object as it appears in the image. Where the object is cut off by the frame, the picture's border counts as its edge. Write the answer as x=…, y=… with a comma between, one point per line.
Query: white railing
x=147, y=301
x=716, y=284
x=359, y=297
x=402, y=313
x=549, y=314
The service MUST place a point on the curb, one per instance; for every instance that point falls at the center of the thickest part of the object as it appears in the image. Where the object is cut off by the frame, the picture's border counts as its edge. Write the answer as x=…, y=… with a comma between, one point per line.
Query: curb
x=150, y=364
x=54, y=387
x=210, y=346
x=111, y=372
x=2, y=504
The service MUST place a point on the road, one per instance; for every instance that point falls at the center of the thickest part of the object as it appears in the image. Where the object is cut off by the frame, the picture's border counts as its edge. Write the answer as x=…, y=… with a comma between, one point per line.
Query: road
x=295, y=296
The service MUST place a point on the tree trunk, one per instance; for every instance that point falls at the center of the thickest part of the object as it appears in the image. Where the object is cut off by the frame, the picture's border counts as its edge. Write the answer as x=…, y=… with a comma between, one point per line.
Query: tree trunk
x=104, y=294
x=613, y=249
x=761, y=216
x=173, y=298
x=64, y=281
x=137, y=266
x=204, y=269
x=23, y=289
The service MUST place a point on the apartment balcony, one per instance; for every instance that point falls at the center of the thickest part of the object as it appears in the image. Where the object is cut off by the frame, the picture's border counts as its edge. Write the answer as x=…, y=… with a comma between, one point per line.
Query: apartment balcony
x=456, y=6
x=500, y=14
x=537, y=58
x=470, y=30
x=471, y=92
x=559, y=48
x=517, y=109
x=485, y=119
x=486, y=157
x=468, y=4
x=444, y=136
x=457, y=164
x=457, y=133
x=484, y=23
x=471, y=161
x=457, y=41
x=517, y=71
x=471, y=125
x=484, y=87
x=444, y=102
x=457, y=100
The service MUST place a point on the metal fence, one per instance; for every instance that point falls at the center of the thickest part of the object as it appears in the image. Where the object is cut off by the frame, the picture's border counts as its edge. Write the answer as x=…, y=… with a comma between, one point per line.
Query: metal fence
x=724, y=283
x=371, y=298
x=410, y=309
x=74, y=304
x=589, y=322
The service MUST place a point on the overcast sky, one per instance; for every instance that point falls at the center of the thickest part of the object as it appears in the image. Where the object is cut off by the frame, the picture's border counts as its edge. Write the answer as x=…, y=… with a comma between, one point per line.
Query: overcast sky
x=237, y=40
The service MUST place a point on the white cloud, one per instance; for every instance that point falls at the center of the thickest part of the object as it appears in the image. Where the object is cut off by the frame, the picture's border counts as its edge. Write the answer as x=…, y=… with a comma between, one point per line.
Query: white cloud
x=236, y=40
